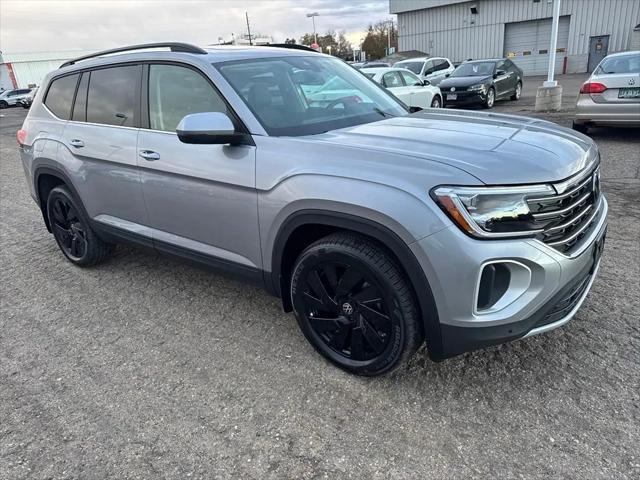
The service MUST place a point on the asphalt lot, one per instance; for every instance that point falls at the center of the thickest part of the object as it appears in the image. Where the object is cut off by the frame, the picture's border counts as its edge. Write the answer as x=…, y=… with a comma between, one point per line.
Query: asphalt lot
x=147, y=368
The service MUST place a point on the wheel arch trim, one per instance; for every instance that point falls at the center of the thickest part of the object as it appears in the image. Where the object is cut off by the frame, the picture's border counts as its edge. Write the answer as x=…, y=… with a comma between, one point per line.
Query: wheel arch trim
x=276, y=279
x=41, y=170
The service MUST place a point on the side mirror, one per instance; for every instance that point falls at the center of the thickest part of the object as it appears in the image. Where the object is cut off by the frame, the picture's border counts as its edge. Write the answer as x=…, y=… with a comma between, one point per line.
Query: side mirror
x=426, y=83
x=414, y=109
x=209, y=128
x=499, y=73
x=447, y=75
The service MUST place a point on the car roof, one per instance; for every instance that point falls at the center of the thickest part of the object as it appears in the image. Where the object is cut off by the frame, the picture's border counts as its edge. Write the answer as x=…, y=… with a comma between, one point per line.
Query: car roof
x=416, y=59
x=621, y=54
x=384, y=70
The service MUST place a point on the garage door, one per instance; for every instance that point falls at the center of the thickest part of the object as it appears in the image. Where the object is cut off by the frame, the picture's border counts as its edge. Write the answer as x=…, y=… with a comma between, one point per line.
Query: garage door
x=527, y=44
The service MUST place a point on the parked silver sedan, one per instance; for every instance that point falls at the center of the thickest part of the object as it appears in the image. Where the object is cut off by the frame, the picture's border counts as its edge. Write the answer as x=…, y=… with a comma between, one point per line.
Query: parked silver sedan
x=611, y=96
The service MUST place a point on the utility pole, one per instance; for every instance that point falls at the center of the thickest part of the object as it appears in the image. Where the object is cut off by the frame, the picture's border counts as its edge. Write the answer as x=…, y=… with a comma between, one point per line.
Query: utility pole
x=389, y=28
x=248, y=27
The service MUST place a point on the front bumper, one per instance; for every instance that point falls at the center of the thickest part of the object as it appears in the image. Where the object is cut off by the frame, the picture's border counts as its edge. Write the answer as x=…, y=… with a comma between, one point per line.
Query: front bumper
x=557, y=286
x=464, y=98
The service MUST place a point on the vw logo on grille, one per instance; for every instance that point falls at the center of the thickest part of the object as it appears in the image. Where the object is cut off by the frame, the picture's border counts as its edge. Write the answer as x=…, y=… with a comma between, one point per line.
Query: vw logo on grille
x=453, y=89
x=347, y=309
x=632, y=81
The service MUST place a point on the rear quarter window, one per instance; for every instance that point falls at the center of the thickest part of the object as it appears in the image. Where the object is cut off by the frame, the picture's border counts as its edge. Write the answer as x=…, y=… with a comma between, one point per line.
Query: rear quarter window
x=60, y=96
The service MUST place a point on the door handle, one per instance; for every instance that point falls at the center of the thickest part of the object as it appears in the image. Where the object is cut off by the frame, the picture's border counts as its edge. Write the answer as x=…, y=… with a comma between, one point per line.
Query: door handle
x=149, y=155
x=77, y=143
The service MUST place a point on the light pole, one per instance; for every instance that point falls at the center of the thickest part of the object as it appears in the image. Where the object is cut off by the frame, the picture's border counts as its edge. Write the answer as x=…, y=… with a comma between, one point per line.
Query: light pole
x=313, y=18
x=549, y=94
x=554, y=43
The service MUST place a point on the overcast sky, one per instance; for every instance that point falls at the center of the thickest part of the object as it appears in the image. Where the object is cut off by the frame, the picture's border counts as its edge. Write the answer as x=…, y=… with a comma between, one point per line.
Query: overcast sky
x=51, y=25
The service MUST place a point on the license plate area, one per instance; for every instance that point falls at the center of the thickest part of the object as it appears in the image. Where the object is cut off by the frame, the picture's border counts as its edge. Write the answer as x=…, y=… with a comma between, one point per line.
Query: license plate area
x=629, y=93
x=452, y=96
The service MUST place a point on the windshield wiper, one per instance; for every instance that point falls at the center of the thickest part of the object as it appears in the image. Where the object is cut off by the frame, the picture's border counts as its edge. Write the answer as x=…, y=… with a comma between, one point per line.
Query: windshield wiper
x=383, y=113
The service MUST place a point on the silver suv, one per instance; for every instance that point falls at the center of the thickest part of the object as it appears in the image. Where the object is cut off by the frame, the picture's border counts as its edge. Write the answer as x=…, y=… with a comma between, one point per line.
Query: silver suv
x=379, y=229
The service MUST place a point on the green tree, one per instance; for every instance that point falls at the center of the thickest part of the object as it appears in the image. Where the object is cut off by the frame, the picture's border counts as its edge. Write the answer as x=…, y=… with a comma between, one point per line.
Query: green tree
x=330, y=42
x=376, y=41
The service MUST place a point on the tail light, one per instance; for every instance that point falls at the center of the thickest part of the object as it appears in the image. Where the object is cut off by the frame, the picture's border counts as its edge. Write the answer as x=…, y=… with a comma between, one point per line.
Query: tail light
x=21, y=136
x=592, y=87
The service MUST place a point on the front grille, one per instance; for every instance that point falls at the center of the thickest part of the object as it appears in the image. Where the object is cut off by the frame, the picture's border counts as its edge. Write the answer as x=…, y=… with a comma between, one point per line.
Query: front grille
x=564, y=305
x=566, y=217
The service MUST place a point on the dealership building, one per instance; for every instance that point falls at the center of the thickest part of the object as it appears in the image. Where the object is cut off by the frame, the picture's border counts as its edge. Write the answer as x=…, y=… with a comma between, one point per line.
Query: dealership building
x=519, y=29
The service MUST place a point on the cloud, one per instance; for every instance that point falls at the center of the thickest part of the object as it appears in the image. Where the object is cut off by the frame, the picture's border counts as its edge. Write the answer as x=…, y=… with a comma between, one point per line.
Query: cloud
x=49, y=25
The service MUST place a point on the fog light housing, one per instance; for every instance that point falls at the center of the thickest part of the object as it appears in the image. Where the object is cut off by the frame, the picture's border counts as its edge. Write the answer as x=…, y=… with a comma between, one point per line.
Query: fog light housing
x=500, y=283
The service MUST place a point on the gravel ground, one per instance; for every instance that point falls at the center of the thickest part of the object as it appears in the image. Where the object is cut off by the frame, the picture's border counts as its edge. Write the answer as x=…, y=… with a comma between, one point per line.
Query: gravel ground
x=146, y=368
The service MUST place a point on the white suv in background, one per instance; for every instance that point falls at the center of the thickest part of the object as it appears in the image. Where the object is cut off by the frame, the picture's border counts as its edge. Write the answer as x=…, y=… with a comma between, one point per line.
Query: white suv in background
x=433, y=69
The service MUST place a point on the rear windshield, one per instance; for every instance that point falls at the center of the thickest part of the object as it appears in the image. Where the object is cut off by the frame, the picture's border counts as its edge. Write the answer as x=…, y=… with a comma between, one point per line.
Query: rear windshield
x=621, y=64
x=415, y=67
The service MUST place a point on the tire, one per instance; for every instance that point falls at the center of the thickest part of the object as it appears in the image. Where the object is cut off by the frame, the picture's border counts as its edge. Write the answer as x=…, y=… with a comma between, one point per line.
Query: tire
x=72, y=231
x=580, y=127
x=491, y=98
x=436, y=102
x=354, y=305
x=518, y=92
x=3, y=104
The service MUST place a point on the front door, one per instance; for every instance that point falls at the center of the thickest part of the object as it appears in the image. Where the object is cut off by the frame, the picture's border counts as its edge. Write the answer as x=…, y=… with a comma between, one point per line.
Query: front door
x=201, y=199
x=598, y=48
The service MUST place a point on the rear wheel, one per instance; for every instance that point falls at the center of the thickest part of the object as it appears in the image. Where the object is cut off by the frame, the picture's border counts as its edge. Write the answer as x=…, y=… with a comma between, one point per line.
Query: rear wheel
x=580, y=127
x=3, y=104
x=436, y=102
x=517, y=92
x=72, y=231
x=354, y=305
x=491, y=98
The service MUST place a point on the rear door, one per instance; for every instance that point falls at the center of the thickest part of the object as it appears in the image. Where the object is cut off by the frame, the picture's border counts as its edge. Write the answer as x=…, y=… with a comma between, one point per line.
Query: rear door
x=201, y=199
x=99, y=144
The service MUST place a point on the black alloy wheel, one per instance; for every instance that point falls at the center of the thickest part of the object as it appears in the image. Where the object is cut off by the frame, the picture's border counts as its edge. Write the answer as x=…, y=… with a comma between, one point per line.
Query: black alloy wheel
x=72, y=231
x=354, y=306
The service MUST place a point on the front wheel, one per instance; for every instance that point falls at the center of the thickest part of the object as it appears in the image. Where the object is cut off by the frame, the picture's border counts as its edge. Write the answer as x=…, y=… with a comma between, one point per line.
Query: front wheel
x=517, y=92
x=491, y=98
x=436, y=102
x=3, y=104
x=75, y=237
x=354, y=305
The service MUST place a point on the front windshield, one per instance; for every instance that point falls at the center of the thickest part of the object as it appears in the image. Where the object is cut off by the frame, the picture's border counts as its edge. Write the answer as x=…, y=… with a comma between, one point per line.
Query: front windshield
x=415, y=67
x=621, y=64
x=479, y=69
x=308, y=95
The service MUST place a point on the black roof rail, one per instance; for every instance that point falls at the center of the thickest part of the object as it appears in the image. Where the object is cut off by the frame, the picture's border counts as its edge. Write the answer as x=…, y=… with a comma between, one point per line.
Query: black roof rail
x=293, y=46
x=174, y=46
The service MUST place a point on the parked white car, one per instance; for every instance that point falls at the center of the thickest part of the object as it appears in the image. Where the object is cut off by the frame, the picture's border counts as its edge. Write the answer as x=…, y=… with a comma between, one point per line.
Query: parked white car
x=12, y=97
x=407, y=86
x=433, y=69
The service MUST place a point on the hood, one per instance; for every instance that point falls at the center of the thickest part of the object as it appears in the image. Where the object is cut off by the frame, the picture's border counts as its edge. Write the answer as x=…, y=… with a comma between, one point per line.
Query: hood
x=464, y=81
x=496, y=149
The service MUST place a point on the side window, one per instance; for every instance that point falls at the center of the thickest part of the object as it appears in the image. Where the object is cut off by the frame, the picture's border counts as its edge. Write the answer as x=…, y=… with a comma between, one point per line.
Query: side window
x=12, y=93
x=60, y=96
x=176, y=91
x=501, y=65
x=392, y=80
x=429, y=67
x=112, y=95
x=410, y=79
x=440, y=65
x=80, y=107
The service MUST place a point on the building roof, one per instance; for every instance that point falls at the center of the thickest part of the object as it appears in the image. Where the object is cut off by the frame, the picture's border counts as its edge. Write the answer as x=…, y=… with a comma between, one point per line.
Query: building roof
x=399, y=6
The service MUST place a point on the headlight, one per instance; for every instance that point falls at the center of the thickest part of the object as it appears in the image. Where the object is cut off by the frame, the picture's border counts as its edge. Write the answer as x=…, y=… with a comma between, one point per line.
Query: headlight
x=477, y=88
x=491, y=212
